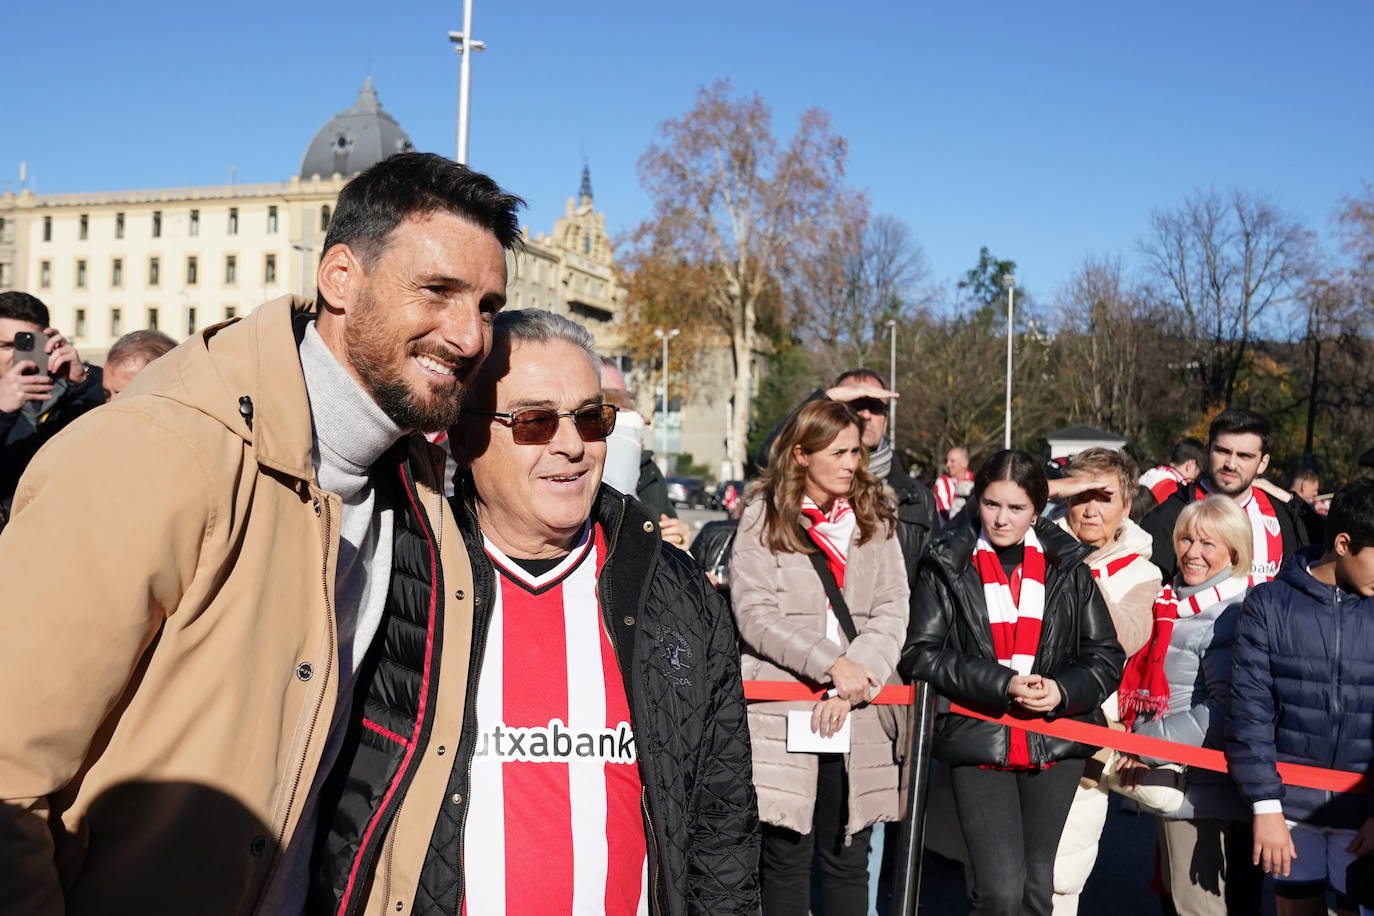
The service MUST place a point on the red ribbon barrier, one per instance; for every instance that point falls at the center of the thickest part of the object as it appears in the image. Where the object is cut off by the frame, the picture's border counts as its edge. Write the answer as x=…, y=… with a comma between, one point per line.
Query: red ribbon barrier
x=1292, y=774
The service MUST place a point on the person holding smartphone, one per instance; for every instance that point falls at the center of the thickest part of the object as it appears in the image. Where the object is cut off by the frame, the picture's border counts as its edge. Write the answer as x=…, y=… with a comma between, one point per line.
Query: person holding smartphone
x=44, y=386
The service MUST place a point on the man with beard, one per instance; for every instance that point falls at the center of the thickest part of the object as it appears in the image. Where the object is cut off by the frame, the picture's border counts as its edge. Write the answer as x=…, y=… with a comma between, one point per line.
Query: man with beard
x=602, y=764
x=247, y=516
x=1238, y=443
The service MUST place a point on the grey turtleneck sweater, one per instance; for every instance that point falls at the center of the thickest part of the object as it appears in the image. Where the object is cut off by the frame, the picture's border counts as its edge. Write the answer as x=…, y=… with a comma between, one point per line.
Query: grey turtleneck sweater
x=351, y=433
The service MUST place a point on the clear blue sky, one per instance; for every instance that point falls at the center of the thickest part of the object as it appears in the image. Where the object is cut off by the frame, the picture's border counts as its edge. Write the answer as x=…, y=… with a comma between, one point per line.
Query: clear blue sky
x=1046, y=131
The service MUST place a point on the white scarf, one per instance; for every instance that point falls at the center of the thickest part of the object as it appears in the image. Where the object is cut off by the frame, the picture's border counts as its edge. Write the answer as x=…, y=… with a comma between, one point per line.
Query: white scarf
x=1023, y=619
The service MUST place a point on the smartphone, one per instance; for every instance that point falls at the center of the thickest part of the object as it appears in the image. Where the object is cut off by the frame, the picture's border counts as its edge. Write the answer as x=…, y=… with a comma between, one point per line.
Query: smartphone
x=31, y=347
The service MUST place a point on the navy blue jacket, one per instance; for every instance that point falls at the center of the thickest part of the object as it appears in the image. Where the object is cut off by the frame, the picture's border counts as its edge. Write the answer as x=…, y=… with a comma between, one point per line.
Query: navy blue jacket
x=1302, y=691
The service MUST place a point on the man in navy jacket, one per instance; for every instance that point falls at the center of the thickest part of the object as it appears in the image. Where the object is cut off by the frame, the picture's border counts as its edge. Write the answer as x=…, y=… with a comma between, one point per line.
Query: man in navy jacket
x=1302, y=691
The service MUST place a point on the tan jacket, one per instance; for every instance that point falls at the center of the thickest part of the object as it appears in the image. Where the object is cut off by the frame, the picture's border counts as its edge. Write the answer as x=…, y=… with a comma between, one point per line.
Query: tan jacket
x=781, y=606
x=169, y=678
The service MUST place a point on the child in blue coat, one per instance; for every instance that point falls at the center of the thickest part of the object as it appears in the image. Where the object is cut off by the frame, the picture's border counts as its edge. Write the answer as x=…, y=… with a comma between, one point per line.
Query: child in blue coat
x=1302, y=691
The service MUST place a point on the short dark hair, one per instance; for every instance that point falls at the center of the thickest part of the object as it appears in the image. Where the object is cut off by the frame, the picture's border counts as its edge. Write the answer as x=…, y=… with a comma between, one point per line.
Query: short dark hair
x=379, y=199
x=18, y=306
x=1238, y=420
x=1352, y=512
x=1018, y=467
x=145, y=345
x=1302, y=475
x=1188, y=449
x=850, y=374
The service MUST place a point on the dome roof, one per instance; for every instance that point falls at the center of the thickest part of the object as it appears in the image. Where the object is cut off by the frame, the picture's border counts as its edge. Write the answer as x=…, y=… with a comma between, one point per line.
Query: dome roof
x=355, y=139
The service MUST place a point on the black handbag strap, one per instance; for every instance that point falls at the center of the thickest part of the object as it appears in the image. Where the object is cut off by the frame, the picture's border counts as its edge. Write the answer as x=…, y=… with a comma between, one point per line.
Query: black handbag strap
x=832, y=591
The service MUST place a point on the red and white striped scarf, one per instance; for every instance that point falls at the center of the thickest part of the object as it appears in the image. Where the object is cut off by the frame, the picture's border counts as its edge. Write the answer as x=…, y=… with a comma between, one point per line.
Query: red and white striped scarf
x=1144, y=685
x=832, y=533
x=1016, y=611
x=1266, y=535
x=946, y=492
x=1162, y=481
x=1113, y=566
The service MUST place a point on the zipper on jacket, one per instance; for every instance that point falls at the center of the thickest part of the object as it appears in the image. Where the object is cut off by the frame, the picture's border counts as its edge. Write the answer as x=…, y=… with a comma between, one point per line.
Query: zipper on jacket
x=1337, y=708
x=328, y=667
x=611, y=545
x=479, y=654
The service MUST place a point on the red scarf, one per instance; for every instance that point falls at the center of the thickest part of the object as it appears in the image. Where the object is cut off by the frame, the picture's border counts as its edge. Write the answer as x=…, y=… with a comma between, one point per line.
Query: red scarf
x=1267, y=536
x=1112, y=567
x=832, y=533
x=1016, y=610
x=1144, y=685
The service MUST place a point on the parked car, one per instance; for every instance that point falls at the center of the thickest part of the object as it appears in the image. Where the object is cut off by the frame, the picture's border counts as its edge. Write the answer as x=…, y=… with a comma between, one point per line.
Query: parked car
x=688, y=493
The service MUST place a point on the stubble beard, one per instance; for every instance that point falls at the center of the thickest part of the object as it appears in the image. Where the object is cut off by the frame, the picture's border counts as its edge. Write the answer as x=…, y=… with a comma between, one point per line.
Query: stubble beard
x=370, y=346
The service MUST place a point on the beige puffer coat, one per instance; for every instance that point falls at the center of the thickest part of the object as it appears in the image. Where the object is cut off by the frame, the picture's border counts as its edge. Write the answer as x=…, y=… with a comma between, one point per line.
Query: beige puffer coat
x=780, y=605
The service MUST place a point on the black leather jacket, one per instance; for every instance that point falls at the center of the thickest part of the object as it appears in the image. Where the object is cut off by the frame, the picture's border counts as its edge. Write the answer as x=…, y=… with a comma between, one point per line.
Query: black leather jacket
x=949, y=644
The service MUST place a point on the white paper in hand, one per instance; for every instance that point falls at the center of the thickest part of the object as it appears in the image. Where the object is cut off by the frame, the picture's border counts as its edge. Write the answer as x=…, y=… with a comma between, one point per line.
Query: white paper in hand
x=802, y=740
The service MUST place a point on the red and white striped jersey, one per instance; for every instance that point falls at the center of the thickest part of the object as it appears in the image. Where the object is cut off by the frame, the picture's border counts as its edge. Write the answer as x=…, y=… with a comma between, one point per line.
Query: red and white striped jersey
x=555, y=825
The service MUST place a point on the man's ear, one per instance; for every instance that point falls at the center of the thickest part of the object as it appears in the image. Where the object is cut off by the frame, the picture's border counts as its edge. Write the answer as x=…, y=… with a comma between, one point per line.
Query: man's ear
x=1263, y=465
x=339, y=278
x=1340, y=544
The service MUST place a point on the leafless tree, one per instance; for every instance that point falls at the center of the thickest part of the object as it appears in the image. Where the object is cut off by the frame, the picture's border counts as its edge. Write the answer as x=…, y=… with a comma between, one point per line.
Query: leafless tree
x=742, y=209
x=1229, y=264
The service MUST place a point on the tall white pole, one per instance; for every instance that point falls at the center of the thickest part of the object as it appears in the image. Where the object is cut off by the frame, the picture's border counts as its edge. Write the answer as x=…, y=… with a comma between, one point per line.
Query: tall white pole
x=892, y=381
x=466, y=45
x=663, y=411
x=1010, y=282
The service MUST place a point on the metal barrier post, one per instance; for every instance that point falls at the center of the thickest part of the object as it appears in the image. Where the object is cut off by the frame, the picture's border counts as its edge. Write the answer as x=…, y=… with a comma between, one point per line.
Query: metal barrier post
x=907, y=889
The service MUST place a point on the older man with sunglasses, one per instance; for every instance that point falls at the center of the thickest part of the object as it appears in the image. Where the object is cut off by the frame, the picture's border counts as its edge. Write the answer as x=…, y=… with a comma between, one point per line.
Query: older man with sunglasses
x=604, y=761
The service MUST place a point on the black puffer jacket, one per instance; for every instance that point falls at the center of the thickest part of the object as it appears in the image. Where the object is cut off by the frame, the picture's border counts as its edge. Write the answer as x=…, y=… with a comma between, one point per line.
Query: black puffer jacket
x=916, y=516
x=949, y=644
x=675, y=640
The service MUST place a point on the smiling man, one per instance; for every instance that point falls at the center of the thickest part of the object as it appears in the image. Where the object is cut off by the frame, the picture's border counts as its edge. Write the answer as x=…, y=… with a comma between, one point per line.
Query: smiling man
x=1238, y=443
x=262, y=529
x=604, y=760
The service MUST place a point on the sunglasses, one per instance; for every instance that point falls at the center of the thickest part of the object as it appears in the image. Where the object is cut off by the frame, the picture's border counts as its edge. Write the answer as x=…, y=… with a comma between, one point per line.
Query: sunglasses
x=872, y=405
x=538, y=425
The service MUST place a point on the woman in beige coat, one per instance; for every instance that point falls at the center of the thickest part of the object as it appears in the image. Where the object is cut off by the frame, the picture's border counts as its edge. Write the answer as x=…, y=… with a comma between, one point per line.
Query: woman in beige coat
x=817, y=498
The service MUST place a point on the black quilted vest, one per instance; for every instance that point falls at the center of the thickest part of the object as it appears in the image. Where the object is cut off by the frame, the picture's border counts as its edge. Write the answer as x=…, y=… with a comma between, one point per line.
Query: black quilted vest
x=399, y=679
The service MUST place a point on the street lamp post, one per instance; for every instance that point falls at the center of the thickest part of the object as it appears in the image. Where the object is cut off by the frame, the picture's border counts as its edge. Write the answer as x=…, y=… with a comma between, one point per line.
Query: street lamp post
x=304, y=252
x=664, y=336
x=892, y=381
x=1009, y=281
x=466, y=45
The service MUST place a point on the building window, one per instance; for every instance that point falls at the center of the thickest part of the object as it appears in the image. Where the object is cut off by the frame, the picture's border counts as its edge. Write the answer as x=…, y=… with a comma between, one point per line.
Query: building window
x=324, y=217
x=80, y=274
x=85, y=230
x=233, y=220
x=230, y=312
x=195, y=222
x=154, y=271
x=117, y=272
x=157, y=224
x=271, y=220
x=80, y=323
x=586, y=244
x=269, y=269
x=2, y=228
x=231, y=270
x=119, y=225
x=152, y=319
x=190, y=321
x=4, y=275
x=116, y=322
x=47, y=228
x=45, y=274
x=191, y=272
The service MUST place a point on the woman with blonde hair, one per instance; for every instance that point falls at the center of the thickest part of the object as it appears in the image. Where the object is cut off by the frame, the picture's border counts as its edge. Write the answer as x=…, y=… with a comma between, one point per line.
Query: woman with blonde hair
x=1176, y=688
x=820, y=593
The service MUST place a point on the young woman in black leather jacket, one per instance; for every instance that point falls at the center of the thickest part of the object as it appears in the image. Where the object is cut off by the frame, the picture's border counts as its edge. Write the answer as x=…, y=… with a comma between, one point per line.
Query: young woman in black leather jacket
x=1005, y=618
